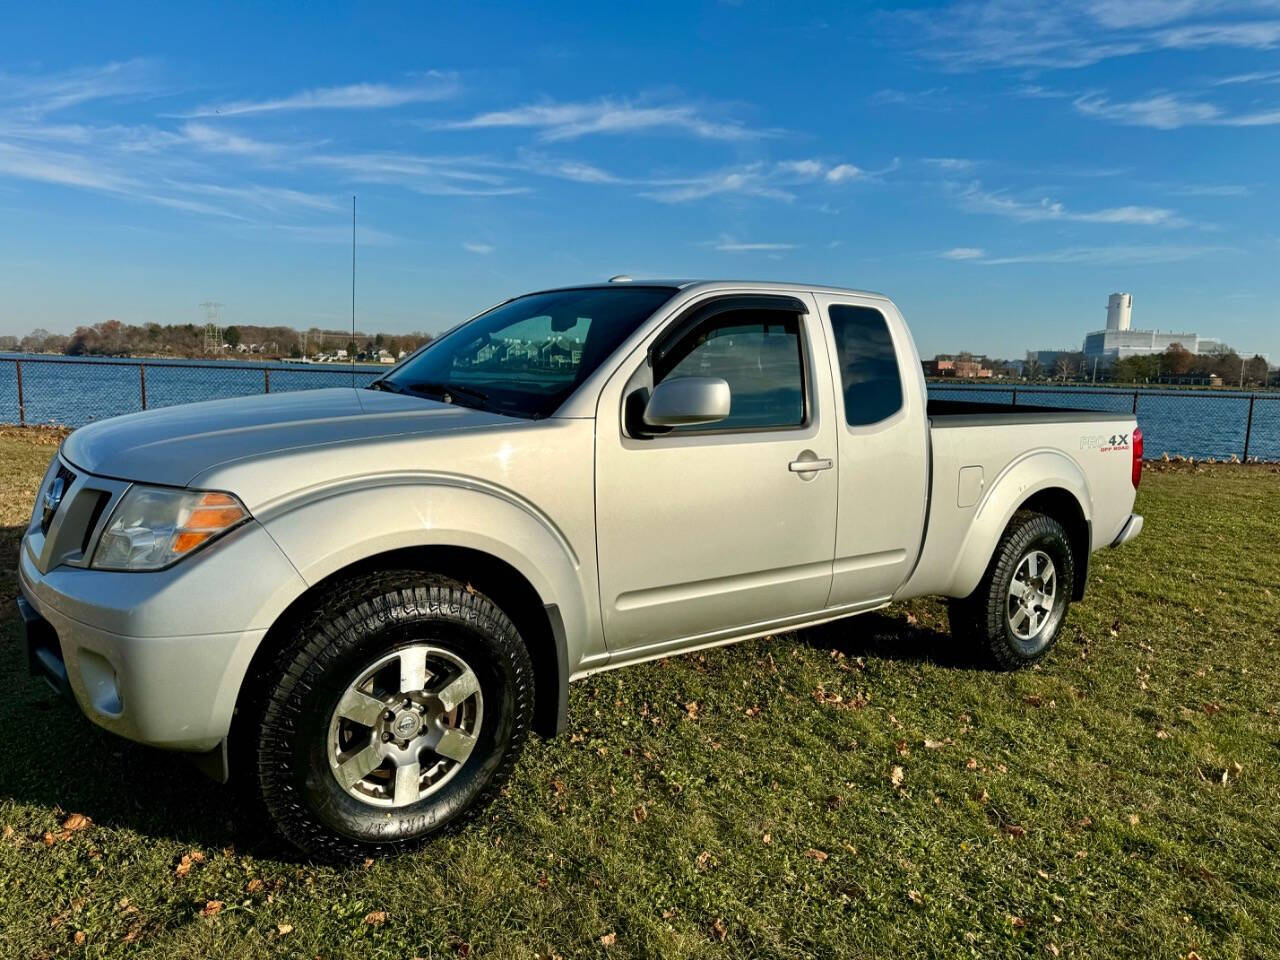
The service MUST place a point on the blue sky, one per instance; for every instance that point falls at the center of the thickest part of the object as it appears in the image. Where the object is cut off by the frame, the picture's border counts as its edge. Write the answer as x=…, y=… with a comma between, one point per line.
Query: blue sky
x=997, y=167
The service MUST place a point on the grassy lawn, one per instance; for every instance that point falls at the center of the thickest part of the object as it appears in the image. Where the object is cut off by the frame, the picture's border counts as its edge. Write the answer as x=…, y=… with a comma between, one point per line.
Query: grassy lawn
x=856, y=790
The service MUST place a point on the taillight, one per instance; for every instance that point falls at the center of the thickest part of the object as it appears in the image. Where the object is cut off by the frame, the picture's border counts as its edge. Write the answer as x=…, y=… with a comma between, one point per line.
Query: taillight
x=1137, y=457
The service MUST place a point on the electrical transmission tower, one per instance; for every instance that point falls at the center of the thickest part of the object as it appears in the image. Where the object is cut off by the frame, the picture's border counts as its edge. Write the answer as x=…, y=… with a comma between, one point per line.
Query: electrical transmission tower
x=212, y=326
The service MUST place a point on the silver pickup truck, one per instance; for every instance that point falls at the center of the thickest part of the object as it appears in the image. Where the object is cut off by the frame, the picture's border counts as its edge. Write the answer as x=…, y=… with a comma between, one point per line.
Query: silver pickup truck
x=362, y=600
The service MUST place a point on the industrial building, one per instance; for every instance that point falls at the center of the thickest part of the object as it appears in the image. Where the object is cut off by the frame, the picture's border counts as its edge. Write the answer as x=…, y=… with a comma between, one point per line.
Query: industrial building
x=1119, y=340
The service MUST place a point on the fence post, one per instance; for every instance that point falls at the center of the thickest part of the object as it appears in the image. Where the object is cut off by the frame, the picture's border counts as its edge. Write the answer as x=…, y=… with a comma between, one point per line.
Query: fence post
x=1015, y=397
x=1135, y=403
x=142, y=379
x=1248, y=429
x=266, y=379
x=22, y=408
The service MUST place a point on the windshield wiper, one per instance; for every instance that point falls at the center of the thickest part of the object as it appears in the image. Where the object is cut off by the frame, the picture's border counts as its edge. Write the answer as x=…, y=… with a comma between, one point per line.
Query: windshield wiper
x=388, y=385
x=448, y=391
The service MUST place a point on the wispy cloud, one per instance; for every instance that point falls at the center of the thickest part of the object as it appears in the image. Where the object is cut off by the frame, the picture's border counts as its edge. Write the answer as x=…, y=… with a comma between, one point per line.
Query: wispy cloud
x=973, y=34
x=772, y=181
x=1211, y=190
x=963, y=253
x=569, y=121
x=38, y=95
x=951, y=164
x=974, y=199
x=1167, y=111
x=934, y=98
x=429, y=175
x=728, y=244
x=1261, y=76
x=217, y=140
x=1116, y=255
x=430, y=87
x=484, y=249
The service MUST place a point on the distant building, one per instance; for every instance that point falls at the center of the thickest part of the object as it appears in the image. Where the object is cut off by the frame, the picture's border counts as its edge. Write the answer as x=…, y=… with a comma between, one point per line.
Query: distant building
x=1119, y=340
x=966, y=367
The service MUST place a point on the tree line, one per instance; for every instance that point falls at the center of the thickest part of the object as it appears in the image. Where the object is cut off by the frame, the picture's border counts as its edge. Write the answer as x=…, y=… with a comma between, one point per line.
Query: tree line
x=112, y=338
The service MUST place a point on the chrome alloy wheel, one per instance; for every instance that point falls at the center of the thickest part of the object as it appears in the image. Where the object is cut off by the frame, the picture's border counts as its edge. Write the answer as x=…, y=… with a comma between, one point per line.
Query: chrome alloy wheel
x=405, y=726
x=1032, y=593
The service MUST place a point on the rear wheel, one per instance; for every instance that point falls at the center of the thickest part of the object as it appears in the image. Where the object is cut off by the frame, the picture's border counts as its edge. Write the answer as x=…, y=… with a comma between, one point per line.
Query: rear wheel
x=397, y=708
x=1016, y=612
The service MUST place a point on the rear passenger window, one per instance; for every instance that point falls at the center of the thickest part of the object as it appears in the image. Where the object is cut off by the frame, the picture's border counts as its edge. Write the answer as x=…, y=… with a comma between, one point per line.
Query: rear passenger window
x=868, y=364
x=758, y=352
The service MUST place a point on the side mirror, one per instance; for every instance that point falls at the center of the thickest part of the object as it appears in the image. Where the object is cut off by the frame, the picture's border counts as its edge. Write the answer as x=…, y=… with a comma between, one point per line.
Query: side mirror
x=687, y=400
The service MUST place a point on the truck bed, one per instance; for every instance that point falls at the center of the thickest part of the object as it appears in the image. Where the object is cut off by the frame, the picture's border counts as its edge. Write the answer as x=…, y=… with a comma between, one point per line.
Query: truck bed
x=973, y=413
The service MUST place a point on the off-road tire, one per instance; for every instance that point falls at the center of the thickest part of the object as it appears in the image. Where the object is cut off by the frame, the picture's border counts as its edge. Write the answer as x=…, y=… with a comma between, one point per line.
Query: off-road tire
x=981, y=619
x=288, y=725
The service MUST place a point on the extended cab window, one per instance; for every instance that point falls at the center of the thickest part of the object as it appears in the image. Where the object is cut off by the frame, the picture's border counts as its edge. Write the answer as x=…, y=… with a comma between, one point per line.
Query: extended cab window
x=758, y=353
x=868, y=363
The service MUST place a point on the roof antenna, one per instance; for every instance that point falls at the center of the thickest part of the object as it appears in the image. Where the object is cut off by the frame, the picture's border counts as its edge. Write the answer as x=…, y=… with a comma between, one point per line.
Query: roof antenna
x=353, y=291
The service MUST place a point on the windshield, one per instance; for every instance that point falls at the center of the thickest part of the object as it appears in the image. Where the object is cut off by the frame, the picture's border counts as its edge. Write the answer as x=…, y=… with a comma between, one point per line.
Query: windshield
x=526, y=356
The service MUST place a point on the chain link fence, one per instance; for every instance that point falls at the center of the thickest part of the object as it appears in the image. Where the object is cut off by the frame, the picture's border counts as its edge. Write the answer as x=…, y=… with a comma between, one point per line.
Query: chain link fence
x=71, y=392
x=1186, y=423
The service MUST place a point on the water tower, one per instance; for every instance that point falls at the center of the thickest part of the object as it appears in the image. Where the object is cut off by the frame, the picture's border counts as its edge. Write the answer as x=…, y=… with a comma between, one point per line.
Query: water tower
x=1119, y=311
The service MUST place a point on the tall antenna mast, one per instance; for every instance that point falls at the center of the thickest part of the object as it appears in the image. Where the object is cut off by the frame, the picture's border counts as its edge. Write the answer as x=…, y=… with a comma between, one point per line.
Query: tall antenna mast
x=353, y=289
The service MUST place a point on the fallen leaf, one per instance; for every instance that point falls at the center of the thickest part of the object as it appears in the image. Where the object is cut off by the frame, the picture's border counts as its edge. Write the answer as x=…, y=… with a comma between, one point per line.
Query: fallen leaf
x=608, y=940
x=971, y=764
x=1015, y=830
x=48, y=839
x=1134, y=819
x=1018, y=922
x=1162, y=734
x=704, y=860
x=691, y=709
x=936, y=744
x=719, y=930
x=80, y=937
x=211, y=909
x=835, y=801
x=902, y=748
x=1033, y=700
x=640, y=814
x=668, y=914
x=915, y=897
x=187, y=862
x=813, y=853
x=284, y=929
x=1211, y=708
x=77, y=821
x=767, y=839
x=896, y=776
x=1053, y=949
x=375, y=918
x=557, y=787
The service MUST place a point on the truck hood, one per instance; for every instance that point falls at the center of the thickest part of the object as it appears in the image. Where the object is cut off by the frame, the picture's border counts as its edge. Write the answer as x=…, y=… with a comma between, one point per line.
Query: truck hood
x=173, y=445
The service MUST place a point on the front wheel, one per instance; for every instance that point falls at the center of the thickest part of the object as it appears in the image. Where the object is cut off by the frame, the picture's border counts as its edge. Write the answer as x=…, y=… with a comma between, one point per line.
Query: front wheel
x=1016, y=612
x=397, y=708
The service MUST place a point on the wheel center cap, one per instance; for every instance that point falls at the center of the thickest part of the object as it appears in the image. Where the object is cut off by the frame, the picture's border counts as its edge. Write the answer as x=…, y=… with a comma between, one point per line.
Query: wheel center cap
x=406, y=725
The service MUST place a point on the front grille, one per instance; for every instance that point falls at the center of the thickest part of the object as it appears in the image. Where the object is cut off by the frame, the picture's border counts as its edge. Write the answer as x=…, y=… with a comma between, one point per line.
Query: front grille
x=54, y=496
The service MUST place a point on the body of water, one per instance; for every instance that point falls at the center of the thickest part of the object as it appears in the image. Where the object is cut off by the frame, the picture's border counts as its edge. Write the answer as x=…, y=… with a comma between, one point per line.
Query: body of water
x=73, y=392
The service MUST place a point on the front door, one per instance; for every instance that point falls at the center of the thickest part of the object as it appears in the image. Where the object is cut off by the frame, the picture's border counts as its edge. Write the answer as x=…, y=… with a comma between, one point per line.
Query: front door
x=711, y=530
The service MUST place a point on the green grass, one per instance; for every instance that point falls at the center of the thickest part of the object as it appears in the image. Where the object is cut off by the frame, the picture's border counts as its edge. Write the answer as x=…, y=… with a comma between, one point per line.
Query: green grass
x=1121, y=800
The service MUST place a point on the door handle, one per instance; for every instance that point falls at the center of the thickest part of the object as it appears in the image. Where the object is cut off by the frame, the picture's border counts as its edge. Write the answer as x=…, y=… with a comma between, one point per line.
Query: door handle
x=809, y=464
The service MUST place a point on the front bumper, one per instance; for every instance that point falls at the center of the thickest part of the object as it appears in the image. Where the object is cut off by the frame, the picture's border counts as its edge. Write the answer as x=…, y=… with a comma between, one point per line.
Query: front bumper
x=122, y=646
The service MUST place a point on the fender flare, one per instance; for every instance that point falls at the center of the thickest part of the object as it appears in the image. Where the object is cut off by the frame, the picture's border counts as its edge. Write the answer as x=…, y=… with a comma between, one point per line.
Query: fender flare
x=1024, y=477
x=341, y=526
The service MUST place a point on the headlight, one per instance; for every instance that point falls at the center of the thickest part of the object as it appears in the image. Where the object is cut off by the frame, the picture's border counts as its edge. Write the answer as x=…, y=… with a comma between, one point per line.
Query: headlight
x=153, y=527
